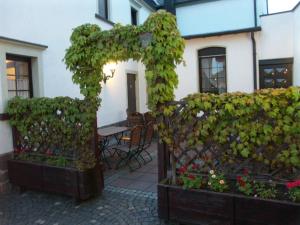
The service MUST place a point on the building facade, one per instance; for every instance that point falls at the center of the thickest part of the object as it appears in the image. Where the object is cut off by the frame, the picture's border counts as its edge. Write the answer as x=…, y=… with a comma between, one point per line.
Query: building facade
x=33, y=38
x=231, y=45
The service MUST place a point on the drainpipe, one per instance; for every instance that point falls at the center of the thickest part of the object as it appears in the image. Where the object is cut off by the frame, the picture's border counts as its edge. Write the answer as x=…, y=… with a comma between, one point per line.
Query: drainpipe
x=254, y=60
x=254, y=46
x=169, y=6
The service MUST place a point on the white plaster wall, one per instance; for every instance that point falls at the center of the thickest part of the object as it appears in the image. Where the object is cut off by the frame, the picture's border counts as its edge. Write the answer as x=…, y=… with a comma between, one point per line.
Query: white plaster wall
x=276, y=40
x=51, y=23
x=297, y=46
x=262, y=9
x=37, y=73
x=120, y=11
x=238, y=62
x=215, y=16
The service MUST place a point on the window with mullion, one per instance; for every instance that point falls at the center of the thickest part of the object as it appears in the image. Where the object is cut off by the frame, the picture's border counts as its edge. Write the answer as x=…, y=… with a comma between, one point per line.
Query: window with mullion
x=18, y=72
x=276, y=73
x=212, y=62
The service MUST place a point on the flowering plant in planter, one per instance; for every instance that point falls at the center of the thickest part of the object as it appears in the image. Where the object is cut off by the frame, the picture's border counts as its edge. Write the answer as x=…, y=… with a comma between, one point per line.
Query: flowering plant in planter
x=294, y=190
x=216, y=181
x=266, y=191
x=188, y=179
x=245, y=183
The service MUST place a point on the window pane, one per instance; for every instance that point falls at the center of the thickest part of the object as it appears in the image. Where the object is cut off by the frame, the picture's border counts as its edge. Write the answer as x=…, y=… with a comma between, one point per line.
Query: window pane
x=222, y=85
x=205, y=62
x=23, y=94
x=18, y=76
x=213, y=74
x=220, y=61
x=103, y=8
x=205, y=79
x=269, y=83
x=133, y=16
x=269, y=71
x=276, y=75
x=23, y=83
x=12, y=94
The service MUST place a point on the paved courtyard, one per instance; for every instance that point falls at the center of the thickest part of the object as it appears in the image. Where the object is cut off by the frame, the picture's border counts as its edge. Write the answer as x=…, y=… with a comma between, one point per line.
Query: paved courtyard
x=128, y=198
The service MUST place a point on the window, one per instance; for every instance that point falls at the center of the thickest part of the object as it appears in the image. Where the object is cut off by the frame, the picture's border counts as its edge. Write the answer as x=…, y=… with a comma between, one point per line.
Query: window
x=18, y=72
x=134, y=13
x=276, y=73
x=103, y=8
x=212, y=63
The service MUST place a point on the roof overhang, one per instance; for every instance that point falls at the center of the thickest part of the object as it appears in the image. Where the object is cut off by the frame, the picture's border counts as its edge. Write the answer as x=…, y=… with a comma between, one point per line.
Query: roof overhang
x=21, y=42
x=229, y=32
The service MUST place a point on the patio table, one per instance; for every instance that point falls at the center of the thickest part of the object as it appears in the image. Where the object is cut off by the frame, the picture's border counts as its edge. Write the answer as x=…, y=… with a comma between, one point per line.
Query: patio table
x=105, y=135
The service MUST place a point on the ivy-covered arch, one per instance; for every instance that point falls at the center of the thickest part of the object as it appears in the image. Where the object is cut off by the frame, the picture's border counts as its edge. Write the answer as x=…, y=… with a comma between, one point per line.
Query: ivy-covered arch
x=91, y=48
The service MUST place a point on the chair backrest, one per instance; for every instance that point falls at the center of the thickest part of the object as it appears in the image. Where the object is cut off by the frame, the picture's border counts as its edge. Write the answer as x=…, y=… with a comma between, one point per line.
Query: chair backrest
x=148, y=135
x=148, y=117
x=135, y=136
x=135, y=119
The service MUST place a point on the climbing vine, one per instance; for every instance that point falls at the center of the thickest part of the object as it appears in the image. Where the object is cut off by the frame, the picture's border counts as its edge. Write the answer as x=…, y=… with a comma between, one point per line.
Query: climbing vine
x=57, y=131
x=91, y=48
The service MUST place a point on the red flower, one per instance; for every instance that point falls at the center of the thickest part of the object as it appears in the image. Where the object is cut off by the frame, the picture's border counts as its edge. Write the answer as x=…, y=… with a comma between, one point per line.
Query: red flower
x=241, y=181
x=195, y=166
x=245, y=171
x=182, y=169
x=49, y=152
x=294, y=184
x=192, y=177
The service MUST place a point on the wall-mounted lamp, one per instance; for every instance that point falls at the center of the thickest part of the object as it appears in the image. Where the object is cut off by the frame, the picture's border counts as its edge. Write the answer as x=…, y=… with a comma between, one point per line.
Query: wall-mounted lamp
x=109, y=71
x=145, y=39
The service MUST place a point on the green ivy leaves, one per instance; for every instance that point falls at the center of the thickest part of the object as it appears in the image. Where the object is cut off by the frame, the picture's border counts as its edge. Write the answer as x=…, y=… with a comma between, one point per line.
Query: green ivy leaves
x=92, y=48
x=61, y=125
x=264, y=126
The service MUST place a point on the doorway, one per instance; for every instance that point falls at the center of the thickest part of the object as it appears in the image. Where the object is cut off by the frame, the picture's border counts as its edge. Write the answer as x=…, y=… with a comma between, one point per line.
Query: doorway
x=131, y=92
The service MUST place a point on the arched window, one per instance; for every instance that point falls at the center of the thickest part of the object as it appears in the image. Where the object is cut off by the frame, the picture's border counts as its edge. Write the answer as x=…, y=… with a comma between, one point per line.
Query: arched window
x=212, y=69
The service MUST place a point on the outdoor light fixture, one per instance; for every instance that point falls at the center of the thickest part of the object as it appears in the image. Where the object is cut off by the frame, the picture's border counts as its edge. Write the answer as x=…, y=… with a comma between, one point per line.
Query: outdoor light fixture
x=109, y=71
x=145, y=39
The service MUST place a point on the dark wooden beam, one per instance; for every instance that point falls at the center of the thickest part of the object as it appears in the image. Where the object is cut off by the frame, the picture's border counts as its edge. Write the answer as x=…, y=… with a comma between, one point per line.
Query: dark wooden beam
x=4, y=117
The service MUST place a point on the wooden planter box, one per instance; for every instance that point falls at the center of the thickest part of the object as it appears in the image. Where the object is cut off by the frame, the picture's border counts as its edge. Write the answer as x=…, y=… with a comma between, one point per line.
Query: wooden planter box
x=195, y=206
x=253, y=211
x=81, y=185
x=210, y=208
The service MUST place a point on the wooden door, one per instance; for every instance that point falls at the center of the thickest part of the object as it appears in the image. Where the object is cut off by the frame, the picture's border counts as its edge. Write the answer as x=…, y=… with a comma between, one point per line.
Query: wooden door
x=131, y=92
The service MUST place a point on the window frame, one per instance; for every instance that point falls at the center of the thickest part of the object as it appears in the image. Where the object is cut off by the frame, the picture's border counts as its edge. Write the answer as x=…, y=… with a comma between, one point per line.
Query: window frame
x=26, y=59
x=288, y=62
x=211, y=52
x=133, y=9
x=106, y=9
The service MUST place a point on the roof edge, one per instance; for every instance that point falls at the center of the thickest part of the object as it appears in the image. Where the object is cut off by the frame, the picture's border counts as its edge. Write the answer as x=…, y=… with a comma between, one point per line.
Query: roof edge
x=239, y=31
x=16, y=41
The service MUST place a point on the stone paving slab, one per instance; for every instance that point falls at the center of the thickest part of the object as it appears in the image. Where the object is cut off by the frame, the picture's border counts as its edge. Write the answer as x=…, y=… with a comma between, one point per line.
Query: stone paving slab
x=129, y=198
x=116, y=206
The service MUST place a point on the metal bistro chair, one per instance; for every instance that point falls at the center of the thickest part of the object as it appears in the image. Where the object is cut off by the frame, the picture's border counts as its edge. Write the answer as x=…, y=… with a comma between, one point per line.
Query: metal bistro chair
x=146, y=142
x=129, y=150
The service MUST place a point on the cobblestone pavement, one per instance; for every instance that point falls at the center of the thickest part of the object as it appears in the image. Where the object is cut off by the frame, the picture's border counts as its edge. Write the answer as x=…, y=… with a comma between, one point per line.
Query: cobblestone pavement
x=117, y=205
